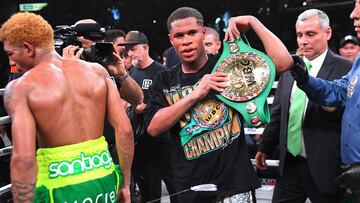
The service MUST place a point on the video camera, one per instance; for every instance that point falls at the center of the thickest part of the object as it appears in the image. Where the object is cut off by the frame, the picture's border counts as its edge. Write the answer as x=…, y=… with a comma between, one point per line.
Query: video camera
x=99, y=52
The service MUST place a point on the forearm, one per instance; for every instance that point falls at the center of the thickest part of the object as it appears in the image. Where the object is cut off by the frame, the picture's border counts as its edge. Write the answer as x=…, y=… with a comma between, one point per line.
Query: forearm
x=270, y=136
x=131, y=92
x=274, y=47
x=23, y=177
x=125, y=149
x=167, y=117
x=329, y=93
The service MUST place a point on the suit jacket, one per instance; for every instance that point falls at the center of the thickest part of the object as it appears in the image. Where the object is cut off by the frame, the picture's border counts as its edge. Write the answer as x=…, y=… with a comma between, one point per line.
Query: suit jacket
x=321, y=129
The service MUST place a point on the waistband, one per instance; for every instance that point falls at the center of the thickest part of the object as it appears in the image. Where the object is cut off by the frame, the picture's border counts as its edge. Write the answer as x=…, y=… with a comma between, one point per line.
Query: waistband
x=75, y=163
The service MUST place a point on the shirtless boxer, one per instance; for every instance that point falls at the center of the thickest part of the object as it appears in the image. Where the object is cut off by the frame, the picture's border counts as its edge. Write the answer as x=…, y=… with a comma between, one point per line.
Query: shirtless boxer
x=60, y=105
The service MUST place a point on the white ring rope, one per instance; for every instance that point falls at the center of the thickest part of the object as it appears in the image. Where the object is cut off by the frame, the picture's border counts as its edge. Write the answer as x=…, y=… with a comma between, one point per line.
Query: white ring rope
x=2, y=90
x=5, y=189
x=5, y=151
x=5, y=120
x=269, y=162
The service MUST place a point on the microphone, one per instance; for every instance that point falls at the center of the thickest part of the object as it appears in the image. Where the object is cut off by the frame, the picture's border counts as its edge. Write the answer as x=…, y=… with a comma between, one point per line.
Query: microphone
x=87, y=27
x=91, y=31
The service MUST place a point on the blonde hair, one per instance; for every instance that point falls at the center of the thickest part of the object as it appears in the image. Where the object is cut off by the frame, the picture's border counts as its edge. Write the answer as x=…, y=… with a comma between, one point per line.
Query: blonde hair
x=27, y=27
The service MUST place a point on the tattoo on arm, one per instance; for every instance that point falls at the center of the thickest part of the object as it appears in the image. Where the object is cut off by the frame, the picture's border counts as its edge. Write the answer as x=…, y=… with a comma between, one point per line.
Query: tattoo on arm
x=8, y=95
x=23, y=192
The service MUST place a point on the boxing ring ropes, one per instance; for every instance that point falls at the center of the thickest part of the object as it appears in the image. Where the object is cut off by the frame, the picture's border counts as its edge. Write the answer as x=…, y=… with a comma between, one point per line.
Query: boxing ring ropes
x=7, y=150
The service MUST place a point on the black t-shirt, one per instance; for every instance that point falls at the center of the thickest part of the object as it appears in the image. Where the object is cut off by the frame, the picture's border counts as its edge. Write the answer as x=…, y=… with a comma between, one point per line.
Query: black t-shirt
x=208, y=142
x=144, y=77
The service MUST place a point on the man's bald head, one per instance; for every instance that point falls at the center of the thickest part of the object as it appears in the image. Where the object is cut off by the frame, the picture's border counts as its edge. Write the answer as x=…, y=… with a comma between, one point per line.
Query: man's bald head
x=212, y=41
x=84, y=21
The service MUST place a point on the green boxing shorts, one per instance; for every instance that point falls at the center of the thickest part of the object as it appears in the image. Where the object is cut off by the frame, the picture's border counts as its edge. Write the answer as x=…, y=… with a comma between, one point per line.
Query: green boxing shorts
x=77, y=173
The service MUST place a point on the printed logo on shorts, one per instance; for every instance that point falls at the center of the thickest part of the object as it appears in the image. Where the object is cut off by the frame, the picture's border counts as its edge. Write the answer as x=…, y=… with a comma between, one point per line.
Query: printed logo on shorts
x=80, y=165
x=351, y=86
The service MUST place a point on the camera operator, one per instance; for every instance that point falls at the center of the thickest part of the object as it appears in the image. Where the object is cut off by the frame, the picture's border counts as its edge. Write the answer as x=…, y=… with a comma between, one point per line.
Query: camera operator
x=128, y=88
x=116, y=36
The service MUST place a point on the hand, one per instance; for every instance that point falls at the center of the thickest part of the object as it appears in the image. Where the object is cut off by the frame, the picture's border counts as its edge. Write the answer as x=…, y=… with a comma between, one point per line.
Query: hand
x=237, y=25
x=124, y=195
x=299, y=71
x=350, y=178
x=217, y=81
x=140, y=108
x=72, y=51
x=261, y=160
x=118, y=68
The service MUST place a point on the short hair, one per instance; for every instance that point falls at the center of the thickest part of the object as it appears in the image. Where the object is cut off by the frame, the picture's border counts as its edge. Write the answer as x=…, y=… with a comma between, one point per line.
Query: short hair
x=182, y=13
x=27, y=27
x=111, y=35
x=212, y=31
x=321, y=15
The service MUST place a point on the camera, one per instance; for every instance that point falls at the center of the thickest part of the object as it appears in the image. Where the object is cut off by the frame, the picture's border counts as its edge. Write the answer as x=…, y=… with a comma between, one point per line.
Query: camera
x=100, y=52
x=65, y=35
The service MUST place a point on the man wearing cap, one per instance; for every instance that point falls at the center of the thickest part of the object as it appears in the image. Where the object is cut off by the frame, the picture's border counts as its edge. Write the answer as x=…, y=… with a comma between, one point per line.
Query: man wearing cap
x=151, y=160
x=349, y=47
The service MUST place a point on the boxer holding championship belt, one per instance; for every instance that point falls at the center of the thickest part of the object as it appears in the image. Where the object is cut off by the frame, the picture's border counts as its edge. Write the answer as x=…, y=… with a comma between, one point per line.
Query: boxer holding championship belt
x=251, y=75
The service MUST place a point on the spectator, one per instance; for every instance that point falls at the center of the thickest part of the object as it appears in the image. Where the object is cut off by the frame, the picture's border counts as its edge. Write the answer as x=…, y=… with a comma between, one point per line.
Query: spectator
x=172, y=58
x=116, y=36
x=212, y=41
x=349, y=47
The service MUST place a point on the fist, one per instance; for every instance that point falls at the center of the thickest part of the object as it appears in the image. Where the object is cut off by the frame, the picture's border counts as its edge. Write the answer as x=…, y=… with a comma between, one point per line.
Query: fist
x=350, y=178
x=299, y=71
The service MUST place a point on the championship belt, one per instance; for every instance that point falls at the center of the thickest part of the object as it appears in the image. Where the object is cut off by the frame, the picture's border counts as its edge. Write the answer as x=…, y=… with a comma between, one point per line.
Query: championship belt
x=207, y=114
x=251, y=75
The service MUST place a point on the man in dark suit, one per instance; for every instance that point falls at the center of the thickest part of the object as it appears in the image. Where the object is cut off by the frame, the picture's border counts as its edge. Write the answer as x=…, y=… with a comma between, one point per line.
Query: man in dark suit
x=308, y=134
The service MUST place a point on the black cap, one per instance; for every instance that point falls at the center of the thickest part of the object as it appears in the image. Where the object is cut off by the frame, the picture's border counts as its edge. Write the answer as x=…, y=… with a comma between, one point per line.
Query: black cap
x=349, y=39
x=135, y=37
